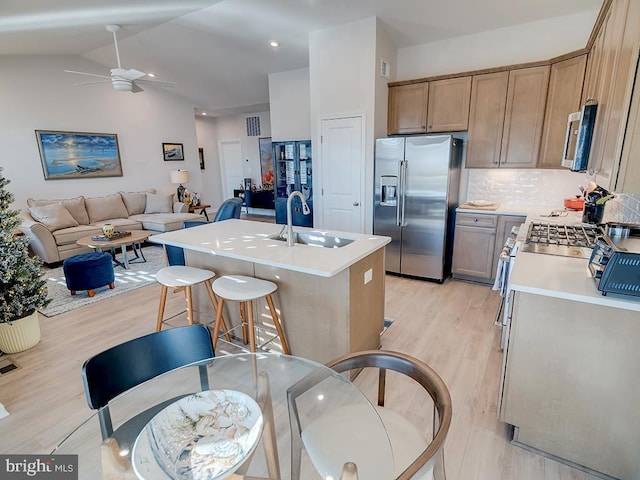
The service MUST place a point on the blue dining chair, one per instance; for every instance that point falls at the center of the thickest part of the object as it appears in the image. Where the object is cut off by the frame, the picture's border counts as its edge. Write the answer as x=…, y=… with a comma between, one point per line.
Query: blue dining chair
x=120, y=368
x=230, y=208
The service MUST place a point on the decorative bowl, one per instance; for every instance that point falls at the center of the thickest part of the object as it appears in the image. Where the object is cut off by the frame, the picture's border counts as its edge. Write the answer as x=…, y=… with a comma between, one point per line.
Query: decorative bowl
x=204, y=436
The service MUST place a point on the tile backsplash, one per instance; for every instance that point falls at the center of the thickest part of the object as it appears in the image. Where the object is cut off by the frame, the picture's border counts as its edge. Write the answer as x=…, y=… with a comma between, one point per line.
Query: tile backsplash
x=541, y=189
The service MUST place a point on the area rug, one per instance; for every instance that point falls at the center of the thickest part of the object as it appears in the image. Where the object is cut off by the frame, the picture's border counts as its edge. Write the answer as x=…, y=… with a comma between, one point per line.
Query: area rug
x=137, y=275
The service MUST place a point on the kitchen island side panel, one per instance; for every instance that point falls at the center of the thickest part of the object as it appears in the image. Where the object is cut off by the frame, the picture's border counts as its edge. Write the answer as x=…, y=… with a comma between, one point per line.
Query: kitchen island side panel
x=323, y=317
x=571, y=382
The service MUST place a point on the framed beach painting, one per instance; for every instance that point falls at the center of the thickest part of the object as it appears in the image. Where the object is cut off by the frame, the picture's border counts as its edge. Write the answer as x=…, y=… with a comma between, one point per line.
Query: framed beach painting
x=68, y=155
x=172, y=151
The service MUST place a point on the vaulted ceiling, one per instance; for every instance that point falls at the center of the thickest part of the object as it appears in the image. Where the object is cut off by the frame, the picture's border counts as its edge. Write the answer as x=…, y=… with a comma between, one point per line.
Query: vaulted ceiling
x=217, y=51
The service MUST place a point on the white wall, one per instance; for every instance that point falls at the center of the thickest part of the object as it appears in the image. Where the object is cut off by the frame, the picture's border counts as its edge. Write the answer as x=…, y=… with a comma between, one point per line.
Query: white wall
x=289, y=105
x=385, y=49
x=234, y=127
x=527, y=42
x=207, y=134
x=36, y=94
x=342, y=78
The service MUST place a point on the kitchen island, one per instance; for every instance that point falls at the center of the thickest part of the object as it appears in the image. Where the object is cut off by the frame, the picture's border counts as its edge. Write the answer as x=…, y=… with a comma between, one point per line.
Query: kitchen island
x=331, y=300
x=570, y=385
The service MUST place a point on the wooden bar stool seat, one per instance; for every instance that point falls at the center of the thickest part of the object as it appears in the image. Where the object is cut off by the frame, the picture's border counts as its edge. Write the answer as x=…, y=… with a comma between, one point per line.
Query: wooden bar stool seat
x=243, y=289
x=183, y=277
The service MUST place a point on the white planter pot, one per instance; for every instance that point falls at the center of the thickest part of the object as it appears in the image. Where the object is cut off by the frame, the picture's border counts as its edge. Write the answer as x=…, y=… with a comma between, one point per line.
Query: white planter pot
x=20, y=334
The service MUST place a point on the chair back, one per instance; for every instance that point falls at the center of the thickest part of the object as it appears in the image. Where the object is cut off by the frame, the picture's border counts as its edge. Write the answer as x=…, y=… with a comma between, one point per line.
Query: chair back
x=230, y=208
x=421, y=373
x=175, y=255
x=116, y=370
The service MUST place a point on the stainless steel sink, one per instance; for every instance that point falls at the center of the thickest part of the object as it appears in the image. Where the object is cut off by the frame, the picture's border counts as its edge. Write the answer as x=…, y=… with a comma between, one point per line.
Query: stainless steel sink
x=316, y=239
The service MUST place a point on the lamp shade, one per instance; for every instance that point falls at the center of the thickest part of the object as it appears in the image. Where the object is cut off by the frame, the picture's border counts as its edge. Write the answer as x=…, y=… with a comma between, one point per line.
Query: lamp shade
x=179, y=176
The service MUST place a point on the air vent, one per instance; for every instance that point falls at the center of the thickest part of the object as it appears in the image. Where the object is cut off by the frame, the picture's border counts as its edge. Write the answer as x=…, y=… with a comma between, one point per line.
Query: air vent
x=253, y=126
x=385, y=69
x=7, y=365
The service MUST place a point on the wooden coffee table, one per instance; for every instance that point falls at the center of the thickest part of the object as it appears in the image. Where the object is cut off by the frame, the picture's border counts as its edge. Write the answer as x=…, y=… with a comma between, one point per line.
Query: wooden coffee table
x=135, y=240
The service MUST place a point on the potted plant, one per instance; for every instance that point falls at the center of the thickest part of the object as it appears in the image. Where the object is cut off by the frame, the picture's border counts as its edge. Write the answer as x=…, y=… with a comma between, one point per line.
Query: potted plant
x=22, y=288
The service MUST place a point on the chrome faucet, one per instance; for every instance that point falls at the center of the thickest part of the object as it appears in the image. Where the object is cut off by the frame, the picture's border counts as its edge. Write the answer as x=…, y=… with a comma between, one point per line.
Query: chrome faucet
x=305, y=210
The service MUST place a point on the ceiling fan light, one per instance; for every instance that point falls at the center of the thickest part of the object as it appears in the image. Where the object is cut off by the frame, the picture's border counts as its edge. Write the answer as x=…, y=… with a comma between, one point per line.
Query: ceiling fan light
x=122, y=85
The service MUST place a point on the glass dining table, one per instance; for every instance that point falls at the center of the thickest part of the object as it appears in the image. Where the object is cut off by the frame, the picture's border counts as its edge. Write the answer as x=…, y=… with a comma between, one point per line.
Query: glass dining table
x=243, y=373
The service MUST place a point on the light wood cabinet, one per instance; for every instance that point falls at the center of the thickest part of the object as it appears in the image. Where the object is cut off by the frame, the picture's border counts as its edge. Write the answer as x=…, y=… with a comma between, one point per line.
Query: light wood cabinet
x=564, y=97
x=524, y=116
x=486, y=119
x=570, y=384
x=473, y=247
x=408, y=109
x=448, y=109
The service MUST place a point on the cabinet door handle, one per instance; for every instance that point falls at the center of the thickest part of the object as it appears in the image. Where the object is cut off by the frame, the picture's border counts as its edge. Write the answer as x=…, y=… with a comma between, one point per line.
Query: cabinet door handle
x=356, y=204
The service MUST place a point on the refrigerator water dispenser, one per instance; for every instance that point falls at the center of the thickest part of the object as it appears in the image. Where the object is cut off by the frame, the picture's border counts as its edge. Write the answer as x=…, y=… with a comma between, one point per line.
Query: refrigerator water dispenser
x=389, y=192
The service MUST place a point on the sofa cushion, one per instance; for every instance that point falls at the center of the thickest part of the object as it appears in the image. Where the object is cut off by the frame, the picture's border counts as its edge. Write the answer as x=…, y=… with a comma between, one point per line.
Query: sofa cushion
x=158, y=203
x=54, y=216
x=126, y=224
x=136, y=202
x=166, y=222
x=105, y=208
x=68, y=236
x=75, y=206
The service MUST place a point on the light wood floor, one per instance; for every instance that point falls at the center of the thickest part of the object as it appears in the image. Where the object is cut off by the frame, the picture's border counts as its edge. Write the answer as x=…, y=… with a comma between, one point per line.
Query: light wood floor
x=449, y=326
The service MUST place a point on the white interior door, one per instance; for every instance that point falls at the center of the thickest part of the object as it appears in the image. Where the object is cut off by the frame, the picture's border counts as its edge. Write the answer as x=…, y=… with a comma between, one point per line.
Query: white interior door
x=342, y=159
x=231, y=162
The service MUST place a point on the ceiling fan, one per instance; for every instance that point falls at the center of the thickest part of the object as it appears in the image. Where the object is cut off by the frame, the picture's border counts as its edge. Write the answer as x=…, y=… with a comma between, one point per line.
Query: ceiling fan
x=122, y=79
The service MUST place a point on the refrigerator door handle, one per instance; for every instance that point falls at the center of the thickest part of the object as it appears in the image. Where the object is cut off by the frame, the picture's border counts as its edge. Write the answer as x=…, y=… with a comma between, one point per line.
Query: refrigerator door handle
x=403, y=188
x=399, y=193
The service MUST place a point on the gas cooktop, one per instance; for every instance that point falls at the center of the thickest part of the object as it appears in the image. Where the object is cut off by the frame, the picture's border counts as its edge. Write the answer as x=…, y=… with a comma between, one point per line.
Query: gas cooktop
x=564, y=240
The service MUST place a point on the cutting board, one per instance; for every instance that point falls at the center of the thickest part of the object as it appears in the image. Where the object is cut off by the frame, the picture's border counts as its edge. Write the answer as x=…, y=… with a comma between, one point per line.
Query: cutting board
x=493, y=206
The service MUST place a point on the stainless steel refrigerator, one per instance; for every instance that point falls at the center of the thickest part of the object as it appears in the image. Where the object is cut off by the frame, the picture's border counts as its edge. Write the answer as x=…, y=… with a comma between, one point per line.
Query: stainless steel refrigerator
x=416, y=193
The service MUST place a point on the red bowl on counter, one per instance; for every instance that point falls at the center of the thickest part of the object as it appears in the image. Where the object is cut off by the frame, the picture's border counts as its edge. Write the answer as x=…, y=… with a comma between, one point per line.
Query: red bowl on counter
x=574, y=203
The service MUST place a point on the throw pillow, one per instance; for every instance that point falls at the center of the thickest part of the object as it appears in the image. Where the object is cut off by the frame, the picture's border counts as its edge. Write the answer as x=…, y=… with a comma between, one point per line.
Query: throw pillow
x=158, y=203
x=135, y=202
x=105, y=208
x=53, y=216
x=74, y=205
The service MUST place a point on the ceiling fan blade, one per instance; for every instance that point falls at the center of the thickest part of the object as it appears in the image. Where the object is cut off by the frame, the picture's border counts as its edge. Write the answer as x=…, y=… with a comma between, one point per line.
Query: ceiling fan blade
x=92, y=83
x=88, y=74
x=158, y=82
x=135, y=88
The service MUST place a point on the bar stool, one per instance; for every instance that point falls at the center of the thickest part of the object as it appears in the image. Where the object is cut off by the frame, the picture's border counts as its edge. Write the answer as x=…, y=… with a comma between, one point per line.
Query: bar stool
x=243, y=289
x=183, y=277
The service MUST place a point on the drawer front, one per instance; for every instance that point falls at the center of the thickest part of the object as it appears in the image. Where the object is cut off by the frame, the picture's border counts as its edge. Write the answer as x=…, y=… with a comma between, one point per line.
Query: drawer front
x=479, y=220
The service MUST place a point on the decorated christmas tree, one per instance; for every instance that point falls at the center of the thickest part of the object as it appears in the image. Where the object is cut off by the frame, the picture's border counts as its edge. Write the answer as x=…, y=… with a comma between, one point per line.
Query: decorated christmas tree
x=22, y=288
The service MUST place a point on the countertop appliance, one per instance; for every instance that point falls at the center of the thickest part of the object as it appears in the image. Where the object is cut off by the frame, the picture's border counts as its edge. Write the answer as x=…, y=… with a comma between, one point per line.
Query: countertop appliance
x=415, y=196
x=565, y=240
x=577, y=143
x=615, y=263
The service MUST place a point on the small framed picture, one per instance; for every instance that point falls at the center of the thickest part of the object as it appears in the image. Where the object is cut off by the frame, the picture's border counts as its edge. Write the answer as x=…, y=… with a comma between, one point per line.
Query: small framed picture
x=172, y=151
x=201, y=157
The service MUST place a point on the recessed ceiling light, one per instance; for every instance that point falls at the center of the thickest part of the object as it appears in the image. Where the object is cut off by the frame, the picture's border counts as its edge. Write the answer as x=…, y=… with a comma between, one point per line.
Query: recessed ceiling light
x=274, y=44
x=152, y=75
x=204, y=113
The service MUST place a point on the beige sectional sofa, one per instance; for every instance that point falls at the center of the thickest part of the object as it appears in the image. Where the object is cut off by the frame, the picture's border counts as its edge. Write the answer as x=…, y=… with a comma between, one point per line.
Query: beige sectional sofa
x=55, y=225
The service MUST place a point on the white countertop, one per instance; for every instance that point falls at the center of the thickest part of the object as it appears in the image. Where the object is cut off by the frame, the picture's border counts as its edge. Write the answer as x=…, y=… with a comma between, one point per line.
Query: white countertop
x=561, y=277
x=251, y=242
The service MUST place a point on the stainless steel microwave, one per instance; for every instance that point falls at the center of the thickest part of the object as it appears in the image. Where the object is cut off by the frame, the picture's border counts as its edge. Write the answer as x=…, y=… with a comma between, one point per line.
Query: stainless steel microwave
x=577, y=142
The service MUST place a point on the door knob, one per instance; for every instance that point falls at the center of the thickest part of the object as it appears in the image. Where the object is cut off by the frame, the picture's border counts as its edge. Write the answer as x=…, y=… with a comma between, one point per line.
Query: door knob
x=355, y=204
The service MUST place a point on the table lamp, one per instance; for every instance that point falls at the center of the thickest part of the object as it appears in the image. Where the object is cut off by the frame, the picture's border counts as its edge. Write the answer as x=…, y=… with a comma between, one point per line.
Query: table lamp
x=180, y=176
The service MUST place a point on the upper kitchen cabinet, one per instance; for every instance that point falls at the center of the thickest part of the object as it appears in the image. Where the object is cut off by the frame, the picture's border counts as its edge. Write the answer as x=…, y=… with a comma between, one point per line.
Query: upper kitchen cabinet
x=524, y=116
x=563, y=98
x=448, y=109
x=486, y=119
x=408, y=108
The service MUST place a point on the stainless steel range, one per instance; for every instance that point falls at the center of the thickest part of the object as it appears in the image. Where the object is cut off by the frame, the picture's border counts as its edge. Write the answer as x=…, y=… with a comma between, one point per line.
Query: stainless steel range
x=565, y=240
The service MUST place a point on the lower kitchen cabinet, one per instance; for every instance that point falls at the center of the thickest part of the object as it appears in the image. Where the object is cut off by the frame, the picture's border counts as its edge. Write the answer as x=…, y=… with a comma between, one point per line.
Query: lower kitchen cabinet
x=478, y=241
x=474, y=243
x=570, y=385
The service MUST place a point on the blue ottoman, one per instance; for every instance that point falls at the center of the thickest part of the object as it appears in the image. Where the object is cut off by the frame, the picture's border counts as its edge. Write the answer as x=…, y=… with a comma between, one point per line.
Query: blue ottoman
x=88, y=271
